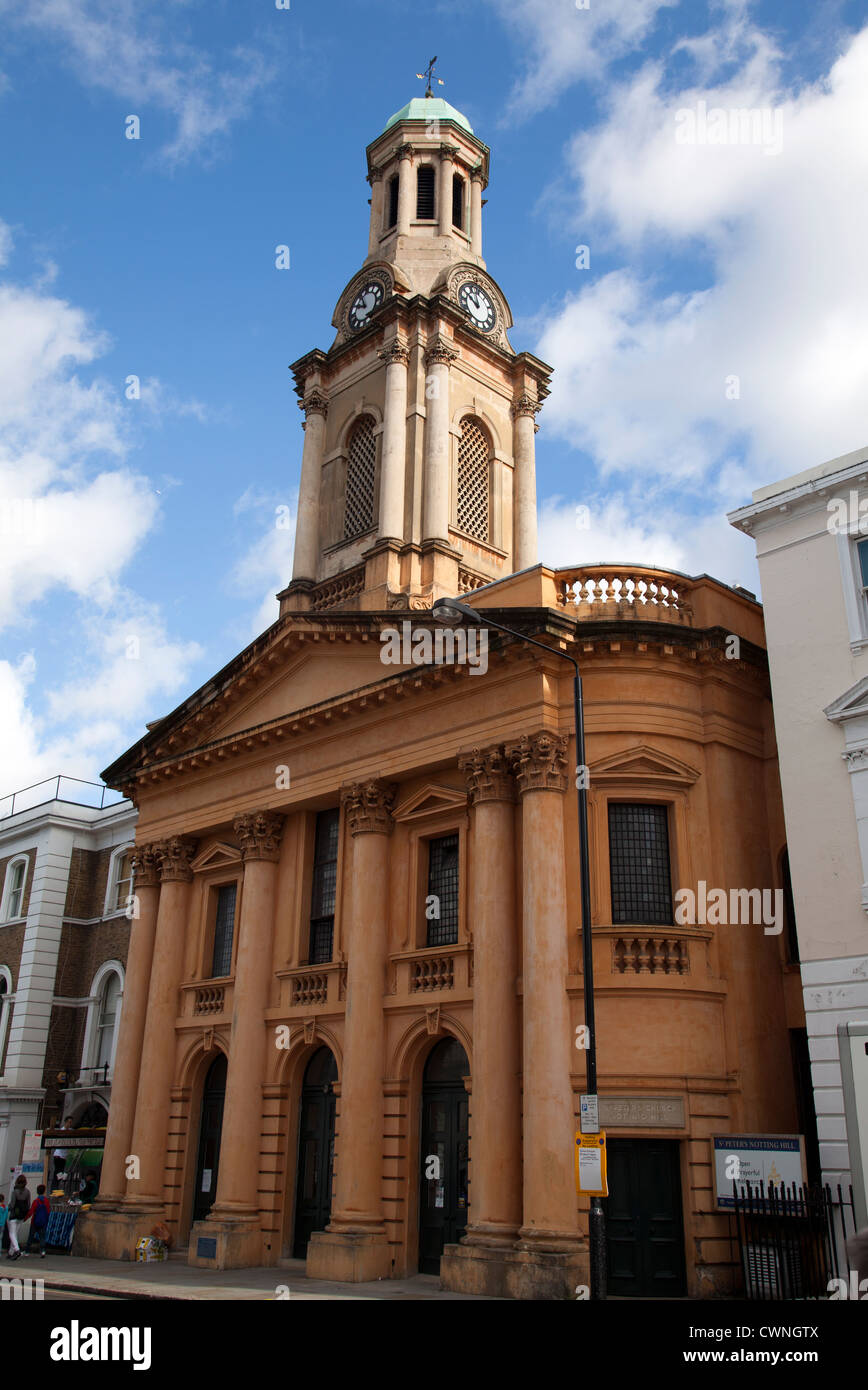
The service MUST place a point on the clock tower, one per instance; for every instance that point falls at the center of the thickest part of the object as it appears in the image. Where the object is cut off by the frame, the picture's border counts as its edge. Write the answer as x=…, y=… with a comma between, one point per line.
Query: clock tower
x=418, y=474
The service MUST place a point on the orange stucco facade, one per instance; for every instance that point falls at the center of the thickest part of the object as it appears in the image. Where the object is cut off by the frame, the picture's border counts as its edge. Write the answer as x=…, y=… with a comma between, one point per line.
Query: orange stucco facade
x=692, y=1021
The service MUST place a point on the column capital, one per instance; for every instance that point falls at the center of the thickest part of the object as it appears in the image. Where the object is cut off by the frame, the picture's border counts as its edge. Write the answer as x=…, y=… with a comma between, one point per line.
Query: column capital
x=448, y=151
x=439, y=351
x=405, y=151
x=375, y=175
x=477, y=175
x=489, y=774
x=175, y=855
x=539, y=761
x=525, y=405
x=395, y=352
x=368, y=807
x=316, y=402
x=146, y=865
x=259, y=833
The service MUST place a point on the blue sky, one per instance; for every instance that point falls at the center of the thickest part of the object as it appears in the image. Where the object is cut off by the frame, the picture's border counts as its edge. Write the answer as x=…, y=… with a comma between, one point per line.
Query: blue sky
x=138, y=550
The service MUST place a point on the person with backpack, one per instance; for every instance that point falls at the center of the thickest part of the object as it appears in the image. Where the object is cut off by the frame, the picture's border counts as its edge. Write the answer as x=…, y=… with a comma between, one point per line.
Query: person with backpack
x=19, y=1206
x=4, y=1213
x=39, y=1214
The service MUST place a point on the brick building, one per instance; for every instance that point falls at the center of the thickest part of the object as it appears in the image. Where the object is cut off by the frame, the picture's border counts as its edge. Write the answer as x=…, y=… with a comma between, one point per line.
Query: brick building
x=65, y=881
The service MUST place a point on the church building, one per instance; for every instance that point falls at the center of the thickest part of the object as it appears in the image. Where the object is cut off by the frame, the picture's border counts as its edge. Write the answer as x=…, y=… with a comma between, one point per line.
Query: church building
x=351, y=1028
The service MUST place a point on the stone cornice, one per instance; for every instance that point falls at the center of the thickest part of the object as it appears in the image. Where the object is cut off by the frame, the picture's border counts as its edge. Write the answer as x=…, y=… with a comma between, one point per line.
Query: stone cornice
x=258, y=833
x=539, y=761
x=368, y=807
x=489, y=774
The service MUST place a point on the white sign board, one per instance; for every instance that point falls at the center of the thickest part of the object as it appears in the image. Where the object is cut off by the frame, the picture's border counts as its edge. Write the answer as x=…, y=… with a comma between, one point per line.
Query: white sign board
x=589, y=1115
x=758, y=1159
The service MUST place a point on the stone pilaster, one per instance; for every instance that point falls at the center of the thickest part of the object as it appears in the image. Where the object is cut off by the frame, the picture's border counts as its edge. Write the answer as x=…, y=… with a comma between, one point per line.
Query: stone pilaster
x=525, y=551
x=306, y=558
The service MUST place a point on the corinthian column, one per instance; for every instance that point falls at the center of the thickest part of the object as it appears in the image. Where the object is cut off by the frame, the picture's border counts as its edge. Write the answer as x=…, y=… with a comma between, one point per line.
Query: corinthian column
x=306, y=555
x=550, y=1208
x=137, y=979
x=435, y=496
x=158, y=1045
x=447, y=169
x=259, y=836
x=375, y=179
x=495, y=1194
x=476, y=212
x=354, y=1247
x=524, y=503
x=394, y=448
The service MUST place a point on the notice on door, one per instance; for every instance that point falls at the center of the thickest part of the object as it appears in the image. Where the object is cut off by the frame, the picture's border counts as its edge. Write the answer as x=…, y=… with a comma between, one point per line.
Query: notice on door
x=206, y=1179
x=591, y=1177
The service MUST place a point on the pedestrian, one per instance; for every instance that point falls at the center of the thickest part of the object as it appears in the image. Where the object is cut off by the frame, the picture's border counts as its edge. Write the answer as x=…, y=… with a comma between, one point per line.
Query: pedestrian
x=19, y=1206
x=88, y=1188
x=39, y=1214
x=4, y=1213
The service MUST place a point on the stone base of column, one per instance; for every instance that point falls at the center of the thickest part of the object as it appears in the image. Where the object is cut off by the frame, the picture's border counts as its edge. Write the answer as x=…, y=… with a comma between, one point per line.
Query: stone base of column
x=520, y=1274
x=112, y=1235
x=348, y=1258
x=440, y=569
x=495, y=1234
x=295, y=598
x=228, y=1242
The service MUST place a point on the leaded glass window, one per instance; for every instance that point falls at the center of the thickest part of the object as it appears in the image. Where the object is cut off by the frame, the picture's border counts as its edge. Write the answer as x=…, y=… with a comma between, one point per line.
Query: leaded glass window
x=325, y=878
x=224, y=927
x=441, y=907
x=639, y=862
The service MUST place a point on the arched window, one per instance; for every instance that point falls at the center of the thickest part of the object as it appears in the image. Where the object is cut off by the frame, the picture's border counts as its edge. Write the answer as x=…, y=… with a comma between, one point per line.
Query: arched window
x=425, y=193
x=473, y=480
x=119, y=885
x=361, y=476
x=458, y=202
x=103, y=1017
x=13, y=890
x=6, y=1007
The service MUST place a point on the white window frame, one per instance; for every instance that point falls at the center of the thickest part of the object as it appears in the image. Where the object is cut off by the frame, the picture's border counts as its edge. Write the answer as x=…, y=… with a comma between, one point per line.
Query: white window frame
x=90, y=1045
x=5, y=1008
x=855, y=594
x=7, y=888
x=115, y=862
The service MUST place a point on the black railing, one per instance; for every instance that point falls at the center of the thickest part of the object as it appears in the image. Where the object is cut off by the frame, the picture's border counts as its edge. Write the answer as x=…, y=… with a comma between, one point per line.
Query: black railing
x=792, y=1238
x=67, y=1076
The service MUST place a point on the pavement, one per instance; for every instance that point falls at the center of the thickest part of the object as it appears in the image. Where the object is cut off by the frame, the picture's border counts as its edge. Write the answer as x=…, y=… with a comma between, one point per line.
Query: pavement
x=175, y=1279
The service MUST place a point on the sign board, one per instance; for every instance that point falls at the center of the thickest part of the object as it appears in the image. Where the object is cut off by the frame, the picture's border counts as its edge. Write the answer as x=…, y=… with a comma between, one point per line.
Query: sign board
x=758, y=1159
x=591, y=1178
x=74, y=1141
x=589, y=1115
x=853, y=1051
x=32, y=1150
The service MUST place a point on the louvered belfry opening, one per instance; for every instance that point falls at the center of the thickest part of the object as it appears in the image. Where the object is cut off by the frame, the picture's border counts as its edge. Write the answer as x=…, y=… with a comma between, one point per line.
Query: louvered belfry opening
x=393, y=202
x=458, y=202
x=425, y=192
x=361, y=473
x=473, y=482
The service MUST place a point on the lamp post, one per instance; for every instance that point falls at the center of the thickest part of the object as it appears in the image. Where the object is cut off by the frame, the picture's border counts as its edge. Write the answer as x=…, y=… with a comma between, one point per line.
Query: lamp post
x=450, y=612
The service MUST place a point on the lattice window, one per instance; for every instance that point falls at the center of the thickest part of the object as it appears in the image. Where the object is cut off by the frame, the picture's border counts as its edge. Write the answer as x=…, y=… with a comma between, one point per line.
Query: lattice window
x=473, y=481
x=442, y=900
x=639, y=860
x=361, y=472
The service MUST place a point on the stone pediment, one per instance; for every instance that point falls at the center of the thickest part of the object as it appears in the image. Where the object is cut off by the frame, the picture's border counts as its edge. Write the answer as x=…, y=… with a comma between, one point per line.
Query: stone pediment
x=853, y=704
x=216, y=856
x=430, y=801
x=646, y=764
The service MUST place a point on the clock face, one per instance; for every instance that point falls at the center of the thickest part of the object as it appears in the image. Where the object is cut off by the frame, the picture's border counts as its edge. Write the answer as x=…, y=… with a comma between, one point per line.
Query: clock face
x=369, y=298
x=477, y=305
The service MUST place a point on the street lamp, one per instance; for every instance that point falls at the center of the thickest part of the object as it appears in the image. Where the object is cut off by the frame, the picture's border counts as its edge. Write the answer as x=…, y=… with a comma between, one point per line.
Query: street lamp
x=450, y=612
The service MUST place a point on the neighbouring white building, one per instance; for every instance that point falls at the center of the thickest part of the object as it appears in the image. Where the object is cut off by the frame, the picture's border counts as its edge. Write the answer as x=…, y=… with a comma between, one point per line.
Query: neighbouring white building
x=65, y=880
x=811, y=534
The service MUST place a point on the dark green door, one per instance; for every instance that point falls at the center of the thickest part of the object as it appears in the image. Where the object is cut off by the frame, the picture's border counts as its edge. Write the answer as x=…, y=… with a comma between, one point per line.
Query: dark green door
x=644, y=1229
x=211, y=1128
x=443, y=1192
x=316, y=1149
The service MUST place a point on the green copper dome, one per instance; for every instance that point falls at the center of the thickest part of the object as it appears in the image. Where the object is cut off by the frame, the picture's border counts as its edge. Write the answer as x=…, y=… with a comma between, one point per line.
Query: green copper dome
x=428, y=109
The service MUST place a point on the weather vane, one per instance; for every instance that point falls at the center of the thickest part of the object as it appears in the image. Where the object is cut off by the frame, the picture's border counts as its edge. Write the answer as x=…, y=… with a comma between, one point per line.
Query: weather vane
x=428, y=75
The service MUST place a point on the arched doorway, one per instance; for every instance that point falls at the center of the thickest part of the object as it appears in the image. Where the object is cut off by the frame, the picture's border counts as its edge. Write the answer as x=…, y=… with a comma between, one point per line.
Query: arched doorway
x=316, y=1149
x=213, y=1096
x=443, y=1153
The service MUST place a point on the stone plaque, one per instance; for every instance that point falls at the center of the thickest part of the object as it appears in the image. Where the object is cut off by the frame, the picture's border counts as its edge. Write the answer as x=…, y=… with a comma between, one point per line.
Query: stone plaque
x=642, y=1112
x=206, y=1247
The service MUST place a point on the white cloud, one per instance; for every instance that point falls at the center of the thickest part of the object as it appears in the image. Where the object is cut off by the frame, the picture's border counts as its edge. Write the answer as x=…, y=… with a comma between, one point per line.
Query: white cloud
x=266, y=565
x=132, y=49
x=768, y=251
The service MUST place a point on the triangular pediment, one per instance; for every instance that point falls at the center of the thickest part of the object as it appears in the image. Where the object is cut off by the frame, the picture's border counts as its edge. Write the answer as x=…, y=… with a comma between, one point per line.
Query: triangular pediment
x=643, y=763
x=851, y=705
x=216, y=856
x=429, y=801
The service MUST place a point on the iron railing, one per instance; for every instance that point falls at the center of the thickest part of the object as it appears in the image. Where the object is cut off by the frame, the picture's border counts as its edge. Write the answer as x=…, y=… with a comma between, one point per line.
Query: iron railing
x=8, y=805
x=792, y=1238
